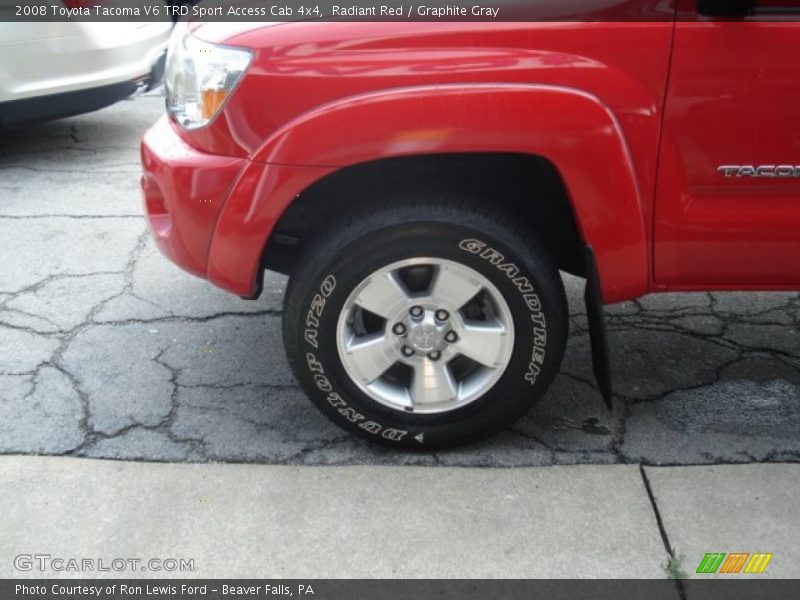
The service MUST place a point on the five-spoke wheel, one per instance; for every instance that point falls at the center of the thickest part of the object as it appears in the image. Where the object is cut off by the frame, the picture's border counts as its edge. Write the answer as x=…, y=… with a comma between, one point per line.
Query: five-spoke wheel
x=425, y=335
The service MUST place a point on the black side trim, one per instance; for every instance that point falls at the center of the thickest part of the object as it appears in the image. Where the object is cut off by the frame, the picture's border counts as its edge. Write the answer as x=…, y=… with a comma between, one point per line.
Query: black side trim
x=27, y=111
x=598, y=335
x=724, y=8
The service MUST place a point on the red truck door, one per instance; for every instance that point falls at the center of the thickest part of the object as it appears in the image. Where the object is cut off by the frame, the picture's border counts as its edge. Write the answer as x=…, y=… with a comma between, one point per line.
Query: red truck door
x=728, y=192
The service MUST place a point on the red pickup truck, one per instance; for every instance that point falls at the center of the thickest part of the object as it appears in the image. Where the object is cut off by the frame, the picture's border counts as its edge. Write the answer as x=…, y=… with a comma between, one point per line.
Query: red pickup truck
x=423, y=184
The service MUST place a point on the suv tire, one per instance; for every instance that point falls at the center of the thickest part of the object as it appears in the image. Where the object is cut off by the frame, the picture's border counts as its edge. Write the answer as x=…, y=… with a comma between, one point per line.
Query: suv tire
x=390, y=294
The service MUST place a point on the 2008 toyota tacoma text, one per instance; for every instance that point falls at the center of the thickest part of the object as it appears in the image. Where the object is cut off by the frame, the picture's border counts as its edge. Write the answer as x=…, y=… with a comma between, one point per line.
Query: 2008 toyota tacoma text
x=424, y=183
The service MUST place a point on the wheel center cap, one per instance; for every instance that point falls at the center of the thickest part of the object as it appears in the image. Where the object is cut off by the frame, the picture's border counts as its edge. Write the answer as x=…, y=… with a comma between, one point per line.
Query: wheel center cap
x=425, y=338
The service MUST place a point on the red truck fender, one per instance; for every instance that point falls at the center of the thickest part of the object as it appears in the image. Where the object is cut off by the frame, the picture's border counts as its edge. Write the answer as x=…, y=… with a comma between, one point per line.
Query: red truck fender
x=572, y=129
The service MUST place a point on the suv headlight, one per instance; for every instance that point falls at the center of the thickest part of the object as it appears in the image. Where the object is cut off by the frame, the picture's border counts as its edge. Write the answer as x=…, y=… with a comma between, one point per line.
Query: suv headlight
x=200, y=77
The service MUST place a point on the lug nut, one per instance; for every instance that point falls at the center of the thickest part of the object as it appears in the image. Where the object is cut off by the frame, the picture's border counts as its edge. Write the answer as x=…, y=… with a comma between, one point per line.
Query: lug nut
x=399, y=329
x=435, y=355
x=451, y=337
x=416, y=311
x=407, y=351
x=442, y=315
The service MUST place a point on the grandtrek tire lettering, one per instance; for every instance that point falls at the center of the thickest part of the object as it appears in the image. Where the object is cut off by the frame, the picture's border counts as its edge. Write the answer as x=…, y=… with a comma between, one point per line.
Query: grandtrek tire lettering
x=473, y=246
x=510, y=269
x=532, y=300
x=523, y=285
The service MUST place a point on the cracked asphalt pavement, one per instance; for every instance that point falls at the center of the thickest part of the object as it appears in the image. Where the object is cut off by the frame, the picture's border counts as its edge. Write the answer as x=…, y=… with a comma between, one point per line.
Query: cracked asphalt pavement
x=108, y=350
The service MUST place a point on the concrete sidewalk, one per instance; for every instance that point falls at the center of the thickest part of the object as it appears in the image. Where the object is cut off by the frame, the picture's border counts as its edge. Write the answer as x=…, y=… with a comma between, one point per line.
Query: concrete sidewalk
x=319, y=522
x=744, y=508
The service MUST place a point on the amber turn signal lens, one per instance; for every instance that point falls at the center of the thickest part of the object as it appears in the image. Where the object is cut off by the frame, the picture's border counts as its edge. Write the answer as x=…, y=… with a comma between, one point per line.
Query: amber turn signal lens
x=212, y=101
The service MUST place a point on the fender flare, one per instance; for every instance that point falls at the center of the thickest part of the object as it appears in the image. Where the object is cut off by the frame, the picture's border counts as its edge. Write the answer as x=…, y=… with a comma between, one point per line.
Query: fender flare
x=571, y=128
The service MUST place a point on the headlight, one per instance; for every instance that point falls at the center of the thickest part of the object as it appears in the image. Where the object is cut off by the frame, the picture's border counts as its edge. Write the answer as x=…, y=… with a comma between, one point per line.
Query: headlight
x=200, y=77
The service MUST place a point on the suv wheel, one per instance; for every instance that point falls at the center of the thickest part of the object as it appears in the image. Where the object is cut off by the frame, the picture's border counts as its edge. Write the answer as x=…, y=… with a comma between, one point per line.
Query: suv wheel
x=425, y=326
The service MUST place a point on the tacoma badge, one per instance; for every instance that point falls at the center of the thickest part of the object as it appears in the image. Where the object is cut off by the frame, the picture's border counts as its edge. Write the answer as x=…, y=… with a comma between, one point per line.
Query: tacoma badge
x=759, y=171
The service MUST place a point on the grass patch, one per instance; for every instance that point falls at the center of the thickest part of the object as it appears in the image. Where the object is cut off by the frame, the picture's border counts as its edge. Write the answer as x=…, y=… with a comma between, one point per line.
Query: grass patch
x=675, y=569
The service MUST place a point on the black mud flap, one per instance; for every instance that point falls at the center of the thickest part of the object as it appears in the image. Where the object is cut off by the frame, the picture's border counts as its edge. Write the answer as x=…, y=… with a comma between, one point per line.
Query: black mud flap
x=598, y=336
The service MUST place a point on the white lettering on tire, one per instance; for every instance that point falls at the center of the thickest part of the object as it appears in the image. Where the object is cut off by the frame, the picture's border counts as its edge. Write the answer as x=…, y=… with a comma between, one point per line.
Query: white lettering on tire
x=529, y=296
x=316, y=310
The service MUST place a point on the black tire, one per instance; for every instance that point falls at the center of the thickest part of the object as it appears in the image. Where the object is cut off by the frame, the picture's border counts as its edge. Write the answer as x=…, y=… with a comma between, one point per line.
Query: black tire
x=357, y=247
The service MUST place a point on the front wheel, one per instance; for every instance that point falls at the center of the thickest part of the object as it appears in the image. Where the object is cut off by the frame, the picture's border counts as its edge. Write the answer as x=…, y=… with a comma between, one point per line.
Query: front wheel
x=425, y=326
